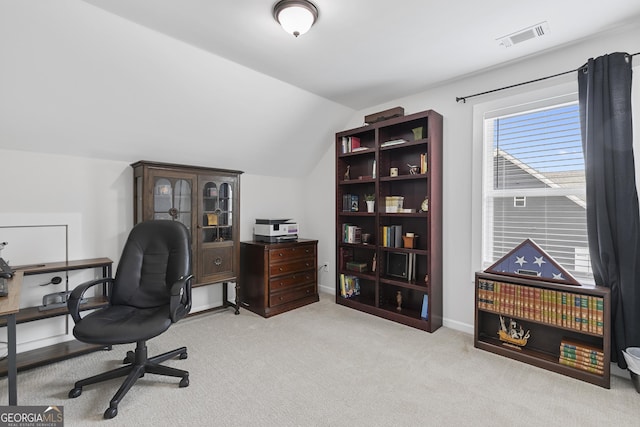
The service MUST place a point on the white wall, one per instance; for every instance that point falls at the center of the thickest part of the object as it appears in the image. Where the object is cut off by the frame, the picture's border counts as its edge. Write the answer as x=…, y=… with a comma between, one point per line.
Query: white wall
x=99, y=192
x=461, y=204
x=95, y=197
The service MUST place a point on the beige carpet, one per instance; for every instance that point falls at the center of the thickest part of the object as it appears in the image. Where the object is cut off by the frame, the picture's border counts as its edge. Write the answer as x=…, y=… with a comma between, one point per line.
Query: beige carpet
x=327, y=365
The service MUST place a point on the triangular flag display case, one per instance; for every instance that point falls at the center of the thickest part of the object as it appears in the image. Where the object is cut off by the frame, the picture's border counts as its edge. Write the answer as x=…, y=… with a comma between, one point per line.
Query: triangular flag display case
x=566, y=323
x=530, y=260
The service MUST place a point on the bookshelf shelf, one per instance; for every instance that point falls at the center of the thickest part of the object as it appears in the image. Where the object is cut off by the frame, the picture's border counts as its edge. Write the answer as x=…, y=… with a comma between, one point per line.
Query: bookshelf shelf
x=392, y=268
x=551, y=323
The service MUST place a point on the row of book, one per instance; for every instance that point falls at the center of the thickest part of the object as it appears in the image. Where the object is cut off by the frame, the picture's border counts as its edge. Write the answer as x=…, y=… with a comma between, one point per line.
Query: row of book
x=351, y=234
x=581, y=356
x=349, y=285
x=392, y=236
x=351, y=144
x=350, y=202
x=566, y=309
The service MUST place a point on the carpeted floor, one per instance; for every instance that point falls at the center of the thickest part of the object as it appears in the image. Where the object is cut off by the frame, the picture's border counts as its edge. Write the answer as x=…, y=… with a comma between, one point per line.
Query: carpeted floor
x=327, y=365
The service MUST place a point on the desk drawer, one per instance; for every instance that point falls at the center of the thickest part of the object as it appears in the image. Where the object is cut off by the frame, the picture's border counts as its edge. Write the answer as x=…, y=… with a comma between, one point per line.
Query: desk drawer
x=291, y=267
x=280, y=298
x=286, y=282
x=290, y=253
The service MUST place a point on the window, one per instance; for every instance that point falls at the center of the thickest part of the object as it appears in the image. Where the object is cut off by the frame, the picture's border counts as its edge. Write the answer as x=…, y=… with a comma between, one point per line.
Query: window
x=534, y=184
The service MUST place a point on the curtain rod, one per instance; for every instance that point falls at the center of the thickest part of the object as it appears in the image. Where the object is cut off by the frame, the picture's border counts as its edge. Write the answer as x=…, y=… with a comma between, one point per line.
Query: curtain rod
x=464, y=98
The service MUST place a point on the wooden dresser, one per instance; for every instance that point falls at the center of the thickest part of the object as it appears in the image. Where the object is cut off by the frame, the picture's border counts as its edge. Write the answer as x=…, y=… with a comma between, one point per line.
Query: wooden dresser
x=278, y=277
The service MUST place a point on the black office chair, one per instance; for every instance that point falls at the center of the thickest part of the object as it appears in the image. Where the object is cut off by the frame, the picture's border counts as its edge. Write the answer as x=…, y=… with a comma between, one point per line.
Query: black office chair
x=150, y=291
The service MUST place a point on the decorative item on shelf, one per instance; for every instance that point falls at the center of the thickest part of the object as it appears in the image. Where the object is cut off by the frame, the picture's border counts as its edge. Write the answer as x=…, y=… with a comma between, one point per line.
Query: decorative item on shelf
x=513, y=336
x=370, y=199
x=424, y=206
x=347, y=173
x=384, y=115
x=410, y=240
x=531, y=261
x=366, y=238
x=413, y=169
x=417, y=133
x=399, y=300
x=393, y=172
x=212, y=219
x=163, y=190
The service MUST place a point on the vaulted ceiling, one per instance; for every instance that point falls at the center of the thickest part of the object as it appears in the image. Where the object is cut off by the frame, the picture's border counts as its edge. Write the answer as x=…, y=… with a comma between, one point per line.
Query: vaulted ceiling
x=219, y=83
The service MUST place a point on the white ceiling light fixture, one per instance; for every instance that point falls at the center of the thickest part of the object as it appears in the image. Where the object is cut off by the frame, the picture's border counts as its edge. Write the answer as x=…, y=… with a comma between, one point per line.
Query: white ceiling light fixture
x=295, y=16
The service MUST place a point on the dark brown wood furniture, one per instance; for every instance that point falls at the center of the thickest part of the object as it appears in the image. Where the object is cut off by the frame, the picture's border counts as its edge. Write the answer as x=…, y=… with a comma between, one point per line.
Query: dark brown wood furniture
x=64, y=350
x=397, y=281
x=552, y=313
x=278, y=277
x=207, y=202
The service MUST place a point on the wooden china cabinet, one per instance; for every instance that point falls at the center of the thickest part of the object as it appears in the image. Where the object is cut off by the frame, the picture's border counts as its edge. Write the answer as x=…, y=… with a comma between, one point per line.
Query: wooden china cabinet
x=207, y=202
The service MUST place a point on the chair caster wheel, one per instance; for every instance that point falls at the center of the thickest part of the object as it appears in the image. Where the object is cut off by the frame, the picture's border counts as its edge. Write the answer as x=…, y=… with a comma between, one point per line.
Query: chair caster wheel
x=184, y=382
x=110, y=413
x=183, y=356
x=129, y=358
x=75, y=392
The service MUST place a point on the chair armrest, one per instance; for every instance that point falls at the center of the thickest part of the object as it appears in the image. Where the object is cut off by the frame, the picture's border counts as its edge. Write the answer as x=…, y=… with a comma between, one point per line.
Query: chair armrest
x=180, y=304
x=73, y=302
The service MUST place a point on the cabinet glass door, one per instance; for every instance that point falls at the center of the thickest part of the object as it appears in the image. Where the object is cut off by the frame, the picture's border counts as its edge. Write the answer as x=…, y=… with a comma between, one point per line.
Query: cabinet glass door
x=172, y=200
x=217, y=221
x=217, y=234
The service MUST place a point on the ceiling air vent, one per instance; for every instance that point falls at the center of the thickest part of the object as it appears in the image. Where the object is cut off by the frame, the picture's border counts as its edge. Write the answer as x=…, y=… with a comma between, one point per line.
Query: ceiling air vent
x=532, y=32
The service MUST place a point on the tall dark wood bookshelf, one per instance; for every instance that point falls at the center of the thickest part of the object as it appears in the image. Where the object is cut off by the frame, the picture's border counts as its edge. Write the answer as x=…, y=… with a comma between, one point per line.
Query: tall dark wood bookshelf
x=396, y=281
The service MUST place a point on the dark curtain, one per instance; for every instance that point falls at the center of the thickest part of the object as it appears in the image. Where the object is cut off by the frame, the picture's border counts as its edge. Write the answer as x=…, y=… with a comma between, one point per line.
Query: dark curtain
x=613, y=222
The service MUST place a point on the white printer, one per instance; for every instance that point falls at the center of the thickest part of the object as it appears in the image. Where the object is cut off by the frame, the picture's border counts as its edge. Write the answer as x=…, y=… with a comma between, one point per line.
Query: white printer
x=275, y=230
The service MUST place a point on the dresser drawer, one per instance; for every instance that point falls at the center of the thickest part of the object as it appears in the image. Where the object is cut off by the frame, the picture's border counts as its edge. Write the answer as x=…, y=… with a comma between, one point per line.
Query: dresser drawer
x=292, y=280
x=291, y=267
x=280, y=298
x=291, y=253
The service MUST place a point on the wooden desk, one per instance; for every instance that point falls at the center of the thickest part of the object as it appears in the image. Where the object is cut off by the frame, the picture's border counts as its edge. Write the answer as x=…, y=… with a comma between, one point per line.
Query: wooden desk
x=11, y=314
x=9, y=307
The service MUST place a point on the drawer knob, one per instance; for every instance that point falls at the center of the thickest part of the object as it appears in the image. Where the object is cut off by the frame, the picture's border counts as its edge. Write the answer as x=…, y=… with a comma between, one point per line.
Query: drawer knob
x=217, y=261
x=280, y=254
x=280, y=269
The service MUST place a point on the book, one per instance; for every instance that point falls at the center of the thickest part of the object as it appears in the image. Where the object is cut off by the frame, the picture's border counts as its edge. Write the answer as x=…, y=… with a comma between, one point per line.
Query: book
x=424, y=168
x=578, y=365
x=393, y=142
x=360, y=267
x=349, y=144
x=424, y=312
x=351, y=285
x=354, y=203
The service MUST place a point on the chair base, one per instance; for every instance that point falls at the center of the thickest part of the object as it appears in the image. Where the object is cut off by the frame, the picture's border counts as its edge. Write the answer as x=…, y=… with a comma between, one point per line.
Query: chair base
x=138, y=365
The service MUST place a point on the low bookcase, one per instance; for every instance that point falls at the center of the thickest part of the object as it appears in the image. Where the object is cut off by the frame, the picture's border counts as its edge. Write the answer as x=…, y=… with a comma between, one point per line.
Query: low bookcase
x=569, y=326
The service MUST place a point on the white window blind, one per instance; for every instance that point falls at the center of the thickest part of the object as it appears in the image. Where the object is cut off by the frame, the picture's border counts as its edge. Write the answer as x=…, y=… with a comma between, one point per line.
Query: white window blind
x=536, y=155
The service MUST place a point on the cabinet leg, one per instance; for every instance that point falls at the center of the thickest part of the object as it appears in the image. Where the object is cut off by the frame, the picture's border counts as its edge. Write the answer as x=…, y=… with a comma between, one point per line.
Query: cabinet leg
x=237, y=298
